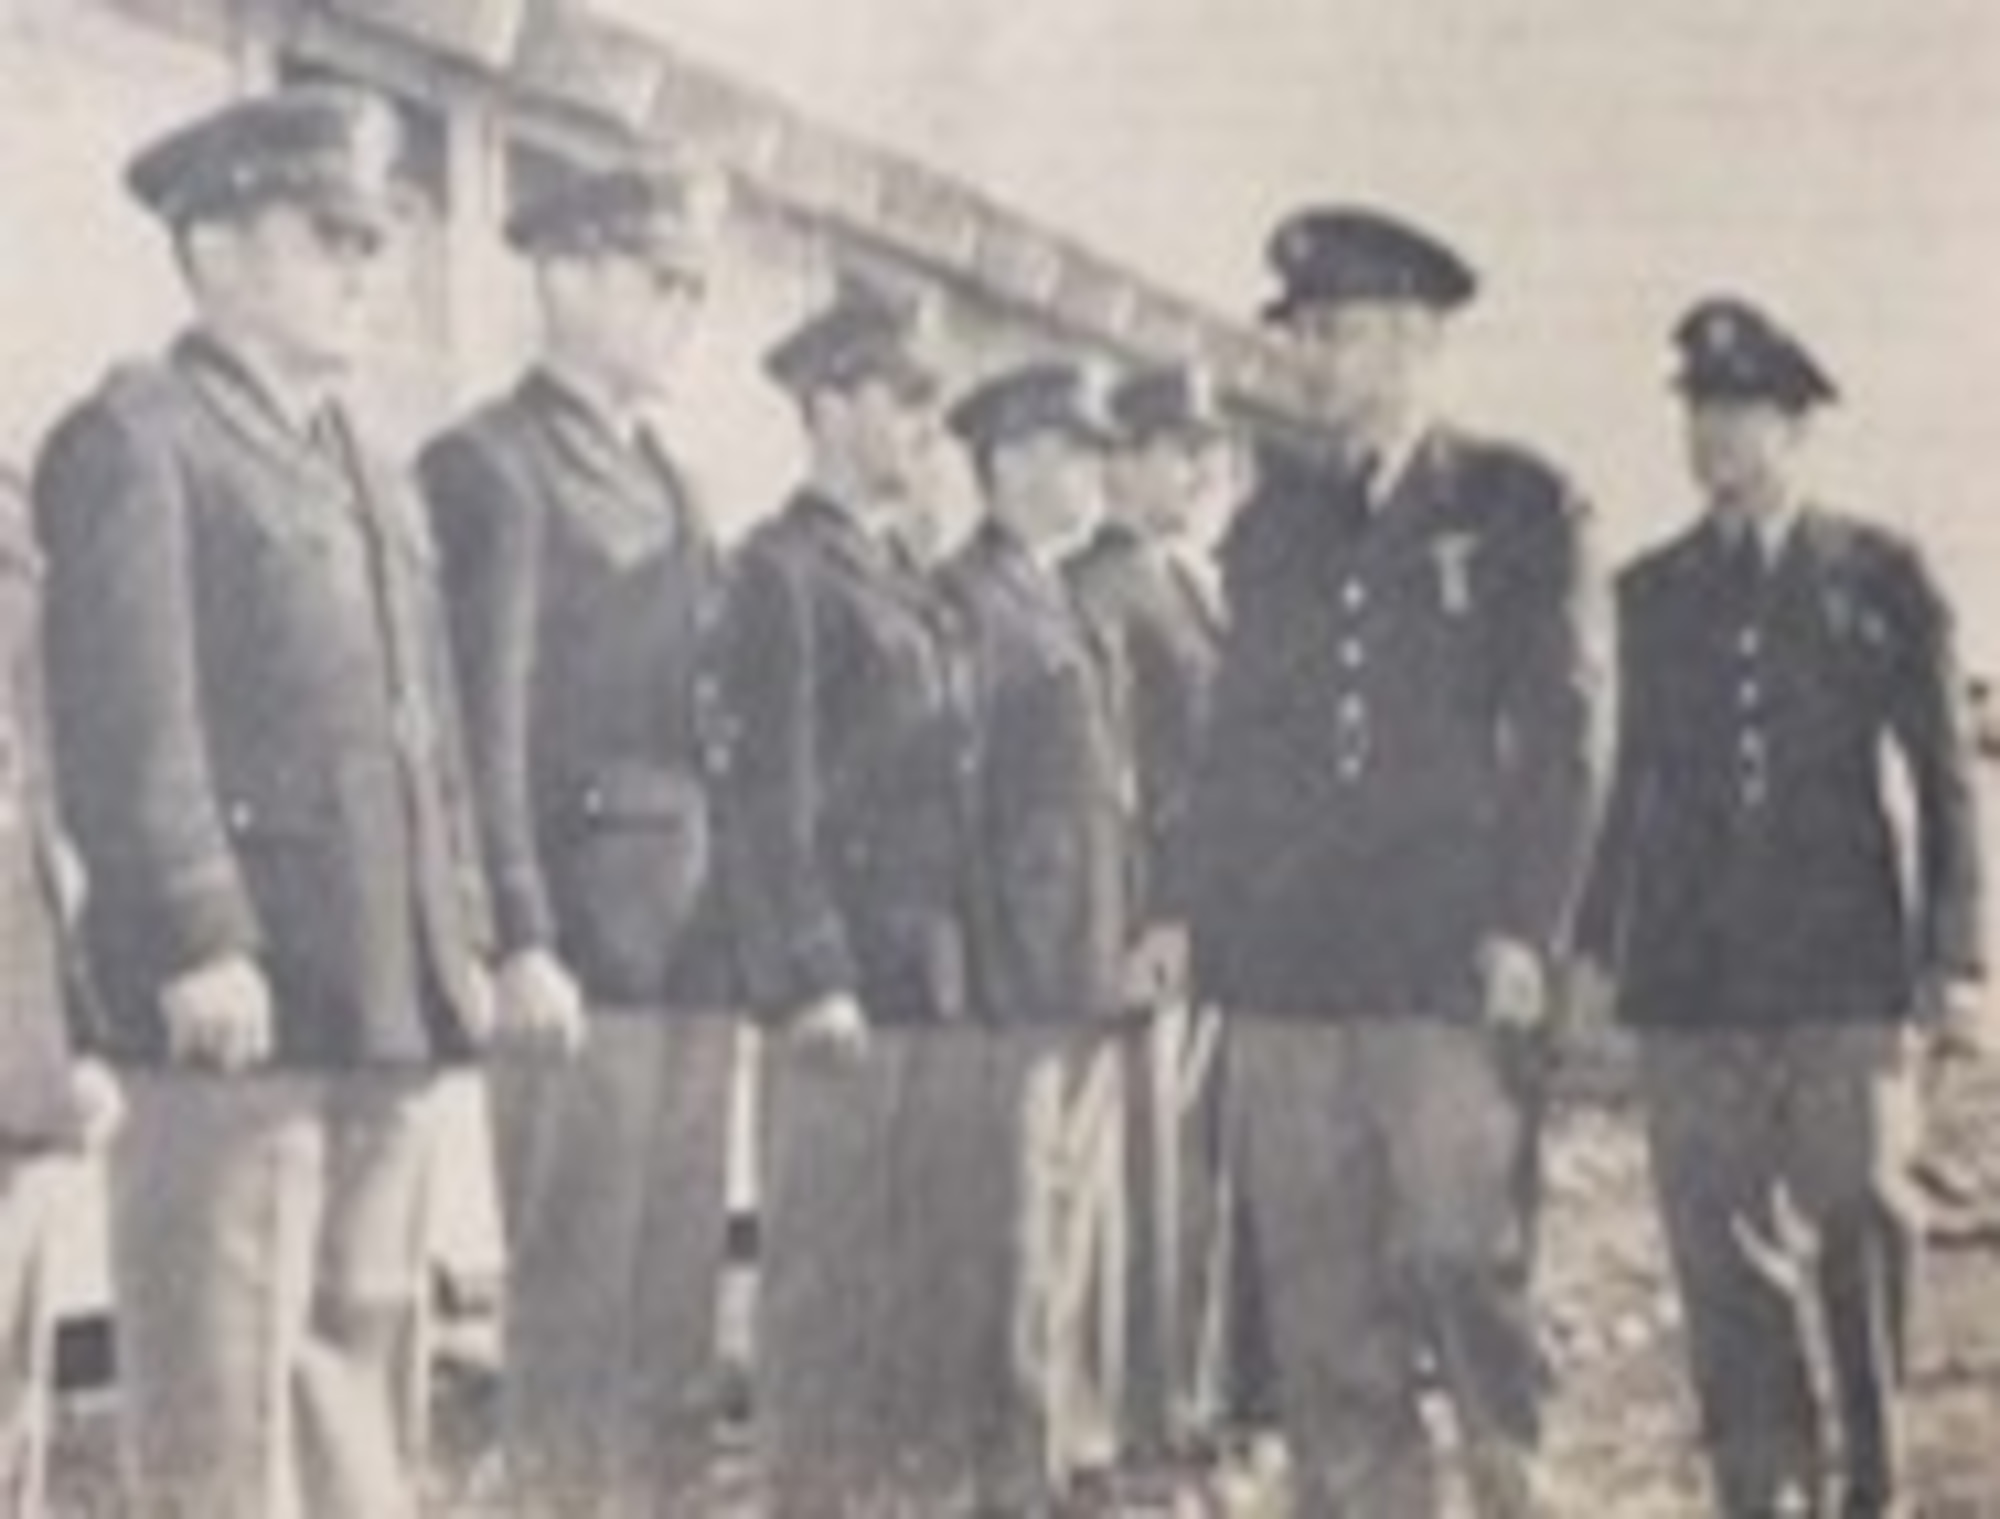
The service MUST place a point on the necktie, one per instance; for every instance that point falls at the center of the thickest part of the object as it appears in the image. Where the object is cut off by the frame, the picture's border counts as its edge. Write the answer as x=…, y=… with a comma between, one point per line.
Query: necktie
x=1746, y=563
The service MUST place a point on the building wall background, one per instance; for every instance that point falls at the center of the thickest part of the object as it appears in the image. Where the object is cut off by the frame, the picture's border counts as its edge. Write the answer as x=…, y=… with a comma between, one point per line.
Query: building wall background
x=86, y=278
x=82, y=277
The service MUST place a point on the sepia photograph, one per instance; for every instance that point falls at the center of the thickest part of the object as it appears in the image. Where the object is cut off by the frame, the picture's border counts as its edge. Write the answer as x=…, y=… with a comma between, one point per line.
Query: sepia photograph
x=996, y=759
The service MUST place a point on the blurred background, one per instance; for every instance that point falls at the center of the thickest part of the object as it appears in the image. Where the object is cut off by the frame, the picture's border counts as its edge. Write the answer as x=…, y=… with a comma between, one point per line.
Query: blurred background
x=1604, y=164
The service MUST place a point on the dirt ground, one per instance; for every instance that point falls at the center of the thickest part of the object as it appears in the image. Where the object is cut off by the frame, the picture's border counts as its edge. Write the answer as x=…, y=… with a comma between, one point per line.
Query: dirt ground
x=1621, y=1427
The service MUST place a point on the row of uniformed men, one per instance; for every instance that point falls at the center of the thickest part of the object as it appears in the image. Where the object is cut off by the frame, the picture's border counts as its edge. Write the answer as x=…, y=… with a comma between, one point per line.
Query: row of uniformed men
x=329, y=755
x=369, y=781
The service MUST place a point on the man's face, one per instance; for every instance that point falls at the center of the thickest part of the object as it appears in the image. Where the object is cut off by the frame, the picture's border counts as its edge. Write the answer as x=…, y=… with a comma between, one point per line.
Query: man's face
x=295, y=281
x=626, y=317
x=1048, y=488
x=886, y=435
x=1173, y=484
x=1741, y=449
x=1366, y=360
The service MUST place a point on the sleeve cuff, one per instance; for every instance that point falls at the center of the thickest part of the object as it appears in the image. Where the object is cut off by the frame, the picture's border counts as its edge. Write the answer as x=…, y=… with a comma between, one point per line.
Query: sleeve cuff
x=522, y=918
x=209, y=917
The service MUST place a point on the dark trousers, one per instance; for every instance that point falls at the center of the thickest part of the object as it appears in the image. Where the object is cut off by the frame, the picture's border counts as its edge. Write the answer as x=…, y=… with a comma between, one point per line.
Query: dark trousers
x=1379, y=1167
x=934, y=1307
x=612, y=1168
x=1782, y=1162
x=831, y=1130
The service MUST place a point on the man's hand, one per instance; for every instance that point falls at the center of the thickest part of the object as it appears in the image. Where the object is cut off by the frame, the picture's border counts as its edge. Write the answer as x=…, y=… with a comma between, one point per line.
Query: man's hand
x=480, y=1017
x=1959, y=1016
x=1156, y=969
x=833, y=1026
x=1513, y=990
x=219, y=1015
x=539, y=1008
x=71, y=881
x=1589, y=996
x=96, y=1105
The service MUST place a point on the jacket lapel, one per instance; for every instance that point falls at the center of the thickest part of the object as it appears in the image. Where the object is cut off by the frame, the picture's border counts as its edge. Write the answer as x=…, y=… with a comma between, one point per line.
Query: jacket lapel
x=230, y=394
x=609, y=490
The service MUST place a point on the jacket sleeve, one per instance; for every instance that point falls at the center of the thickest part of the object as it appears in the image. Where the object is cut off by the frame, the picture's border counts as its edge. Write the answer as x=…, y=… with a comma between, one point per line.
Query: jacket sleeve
x=1169, y=715
x=1231, y=835
x=1928, y=717
x=791, y=940
x=489, y=533
x=1599, y=927
x=1552, y=716
x=125, y=693
x=58, y=868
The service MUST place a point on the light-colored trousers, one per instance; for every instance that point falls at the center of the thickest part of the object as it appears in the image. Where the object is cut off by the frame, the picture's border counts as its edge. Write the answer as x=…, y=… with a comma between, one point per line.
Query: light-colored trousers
x=1177, y=1248
x=269, y=1245
x=1073, y=1247
x=613, y=1167
x=30, y=1187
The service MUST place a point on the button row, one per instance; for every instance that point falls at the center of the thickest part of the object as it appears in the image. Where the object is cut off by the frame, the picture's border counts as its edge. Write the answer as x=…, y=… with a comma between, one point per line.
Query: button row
x=1351, y=725
x=1753, y=768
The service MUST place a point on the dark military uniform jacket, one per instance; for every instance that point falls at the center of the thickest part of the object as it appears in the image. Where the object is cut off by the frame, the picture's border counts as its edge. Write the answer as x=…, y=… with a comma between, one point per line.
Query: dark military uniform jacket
x=256, y=741
x=1748, y=872
x=1050, y=791
x=583, y=585
x=842, y=832
x=1402, y=751
x=48, y=1014
x=1166, y=631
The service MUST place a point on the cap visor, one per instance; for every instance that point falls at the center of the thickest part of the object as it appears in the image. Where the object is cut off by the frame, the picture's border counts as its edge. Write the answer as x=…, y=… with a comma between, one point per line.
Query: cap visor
x=911, y=381
x=373, y=217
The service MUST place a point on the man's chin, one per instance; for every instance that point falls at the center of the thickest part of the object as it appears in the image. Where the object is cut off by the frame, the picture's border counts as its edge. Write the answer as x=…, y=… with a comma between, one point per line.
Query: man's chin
x=331, y=363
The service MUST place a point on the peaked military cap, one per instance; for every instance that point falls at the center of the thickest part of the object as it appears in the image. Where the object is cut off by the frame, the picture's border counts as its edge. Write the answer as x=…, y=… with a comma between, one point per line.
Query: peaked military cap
x=1048, y=395
x=868, y=331
x=669, y=214
x=1178, y=399
x=1732, y=351
x=1347, y=253
x=331, y=148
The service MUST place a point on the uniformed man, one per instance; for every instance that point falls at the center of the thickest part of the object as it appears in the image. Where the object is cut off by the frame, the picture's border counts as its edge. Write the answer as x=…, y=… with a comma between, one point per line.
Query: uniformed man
x=1048, y=799
x=842, y=846
x=1746, y=896
x=1145, y=582
x=583, y=583
x=56, y=1097
x=257, y=748
x=1390, y=822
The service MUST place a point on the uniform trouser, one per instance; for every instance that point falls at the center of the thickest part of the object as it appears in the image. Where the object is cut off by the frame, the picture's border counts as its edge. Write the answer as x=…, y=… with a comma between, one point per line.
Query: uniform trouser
x=1072, y=1245
x=613, y=1168
x=1782, y=1162
x=832, y=1125
x=269, y=1239
x=1229, y=1378
x=1378, y=1162
x=30, y=1186
x=932, y=1324
x=1246, y=1371
x=1177, y=1258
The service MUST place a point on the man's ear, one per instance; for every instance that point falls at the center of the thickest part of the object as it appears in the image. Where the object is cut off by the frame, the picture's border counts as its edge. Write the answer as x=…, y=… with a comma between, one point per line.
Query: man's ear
x=822, y=409
x=1422, y=329
x=203, y=250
